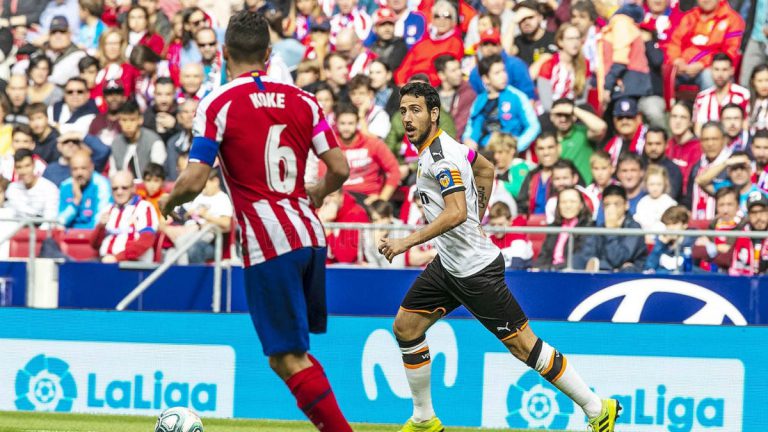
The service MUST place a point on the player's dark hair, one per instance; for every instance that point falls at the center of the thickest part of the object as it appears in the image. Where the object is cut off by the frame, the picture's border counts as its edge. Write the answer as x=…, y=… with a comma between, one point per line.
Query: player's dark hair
x=722, y=57
x=345, y=108
x=36, y=108
x=129, y=107
x=563, y=101
x=420, y=89
x=153, y=170
x=22, y=154
x=630, y=157
x=359, y=81
x=22, y=128
x=87, y=62
x=442, y=61
x=713, y=124
x=722, y=192
x=614, y=190
x=419, y=77
x=586, y=7
x=676, y=214
x=565, y=164
x=486, y=62
x=247, y=37
x=657, y=129
x=732, y=106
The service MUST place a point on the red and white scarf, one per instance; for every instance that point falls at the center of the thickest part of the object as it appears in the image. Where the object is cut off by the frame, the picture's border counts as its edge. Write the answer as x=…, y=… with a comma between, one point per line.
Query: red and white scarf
x=614, y=146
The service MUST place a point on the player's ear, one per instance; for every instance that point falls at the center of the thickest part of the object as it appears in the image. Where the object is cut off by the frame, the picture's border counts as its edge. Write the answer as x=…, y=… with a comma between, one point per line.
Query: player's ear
x=435, y=114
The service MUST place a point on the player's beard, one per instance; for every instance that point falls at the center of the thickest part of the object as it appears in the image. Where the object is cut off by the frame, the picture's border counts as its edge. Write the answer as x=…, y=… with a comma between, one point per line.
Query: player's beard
x=421, y=139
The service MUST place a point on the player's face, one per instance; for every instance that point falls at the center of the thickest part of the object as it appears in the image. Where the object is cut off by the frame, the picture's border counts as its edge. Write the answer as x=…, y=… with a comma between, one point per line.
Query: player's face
x=602, y=171
x=727, y=207
x=417, y=119
x=547, y=151
x=679, y=120
x=732, y=121
x=722, y=72
x=654, y=145
x=760, y=151
x=569, y=204
x=712, y=142
x=21, y=140
x=630, y=174
x=25, y=171
x=346, y=125
x=626, y=126
x=758, y=217
x=562, y=178
x=129, y=124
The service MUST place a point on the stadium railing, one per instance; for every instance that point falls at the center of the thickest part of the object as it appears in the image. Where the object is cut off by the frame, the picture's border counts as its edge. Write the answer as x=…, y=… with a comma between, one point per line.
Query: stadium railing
x=362, y=227
x=31, y=224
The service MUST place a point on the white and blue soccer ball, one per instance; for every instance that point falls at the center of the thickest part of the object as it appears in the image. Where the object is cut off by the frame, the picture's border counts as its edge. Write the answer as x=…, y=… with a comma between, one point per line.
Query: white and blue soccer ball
x=178, y=419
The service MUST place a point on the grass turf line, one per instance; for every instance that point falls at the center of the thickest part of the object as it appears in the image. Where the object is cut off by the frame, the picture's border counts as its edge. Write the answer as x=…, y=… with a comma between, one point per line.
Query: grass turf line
x=48, y=422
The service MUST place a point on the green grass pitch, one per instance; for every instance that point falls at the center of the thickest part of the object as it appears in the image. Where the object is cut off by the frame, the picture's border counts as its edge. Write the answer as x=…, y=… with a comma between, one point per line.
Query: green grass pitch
x=46, y=422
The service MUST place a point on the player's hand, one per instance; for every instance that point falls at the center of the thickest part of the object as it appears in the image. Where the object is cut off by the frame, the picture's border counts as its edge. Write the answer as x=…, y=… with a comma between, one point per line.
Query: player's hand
x=313, y=193
x=391, y=248
x=165, y=209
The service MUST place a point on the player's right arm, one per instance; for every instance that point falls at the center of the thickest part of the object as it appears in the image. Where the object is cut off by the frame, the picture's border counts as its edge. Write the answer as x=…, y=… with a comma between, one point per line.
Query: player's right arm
x=484, y=173
x=335, y=176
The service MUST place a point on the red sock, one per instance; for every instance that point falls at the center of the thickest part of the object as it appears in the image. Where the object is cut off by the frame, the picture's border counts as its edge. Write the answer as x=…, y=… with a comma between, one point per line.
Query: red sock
x=315, y=397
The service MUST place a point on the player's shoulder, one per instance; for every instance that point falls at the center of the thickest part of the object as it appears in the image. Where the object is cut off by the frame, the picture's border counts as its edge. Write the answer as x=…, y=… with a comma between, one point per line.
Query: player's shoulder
x=444, y=147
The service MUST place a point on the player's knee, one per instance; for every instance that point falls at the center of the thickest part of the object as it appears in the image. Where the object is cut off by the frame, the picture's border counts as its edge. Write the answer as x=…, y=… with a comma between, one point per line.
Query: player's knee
x=405, y=332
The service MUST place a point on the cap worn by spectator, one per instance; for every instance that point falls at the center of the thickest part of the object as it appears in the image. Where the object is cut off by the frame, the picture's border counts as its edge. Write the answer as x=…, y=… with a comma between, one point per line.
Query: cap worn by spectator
x=490, y=36
x=384, y=15
x=114, y=86
x=756, y=198
x=59, y=23
x=633, y=11
x=625, y=107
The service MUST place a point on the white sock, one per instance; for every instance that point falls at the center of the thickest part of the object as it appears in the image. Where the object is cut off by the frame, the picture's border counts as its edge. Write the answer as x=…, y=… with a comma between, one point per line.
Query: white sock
x=555, y=368
x=418, y=370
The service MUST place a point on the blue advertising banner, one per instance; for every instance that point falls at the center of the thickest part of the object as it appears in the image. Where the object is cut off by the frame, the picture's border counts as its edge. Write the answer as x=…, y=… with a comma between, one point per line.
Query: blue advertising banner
x=674, y=378
x=691, y=299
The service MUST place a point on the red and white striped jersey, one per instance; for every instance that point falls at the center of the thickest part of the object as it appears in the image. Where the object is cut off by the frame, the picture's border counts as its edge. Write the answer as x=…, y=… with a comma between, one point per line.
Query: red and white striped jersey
x=262, y=132
x=127, y=223
x=707, y=106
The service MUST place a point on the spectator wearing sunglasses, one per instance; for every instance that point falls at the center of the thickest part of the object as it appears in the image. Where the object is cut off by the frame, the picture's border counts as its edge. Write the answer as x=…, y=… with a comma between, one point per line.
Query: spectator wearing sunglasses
x=77, y=108
x=127, y=230
x=69, y=142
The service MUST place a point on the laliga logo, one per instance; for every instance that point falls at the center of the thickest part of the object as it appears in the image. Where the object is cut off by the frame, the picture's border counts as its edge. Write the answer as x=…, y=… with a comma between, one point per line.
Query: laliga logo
x=45, y=384
x=535, y=403
x=381, y=351
x=637, y=292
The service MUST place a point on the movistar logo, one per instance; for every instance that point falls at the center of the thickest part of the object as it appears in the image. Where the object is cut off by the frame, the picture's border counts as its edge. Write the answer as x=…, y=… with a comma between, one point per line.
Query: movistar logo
x=45, y=384
x=535, y=403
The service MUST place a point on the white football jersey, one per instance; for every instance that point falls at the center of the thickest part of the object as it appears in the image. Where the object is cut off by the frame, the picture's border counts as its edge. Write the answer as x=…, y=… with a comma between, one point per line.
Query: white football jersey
x=445, y=167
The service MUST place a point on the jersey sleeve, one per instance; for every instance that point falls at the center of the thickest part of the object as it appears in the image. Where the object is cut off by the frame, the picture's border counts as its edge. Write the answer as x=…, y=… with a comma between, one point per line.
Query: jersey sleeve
x=448, y=177
x=323, y=138
x=208, y=130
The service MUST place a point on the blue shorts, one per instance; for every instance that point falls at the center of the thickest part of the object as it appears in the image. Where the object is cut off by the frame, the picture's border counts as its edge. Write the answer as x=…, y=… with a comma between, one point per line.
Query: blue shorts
x=286, y=299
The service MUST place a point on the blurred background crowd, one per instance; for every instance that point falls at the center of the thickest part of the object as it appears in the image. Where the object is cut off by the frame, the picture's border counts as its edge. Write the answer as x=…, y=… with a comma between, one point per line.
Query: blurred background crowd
x=596, y=113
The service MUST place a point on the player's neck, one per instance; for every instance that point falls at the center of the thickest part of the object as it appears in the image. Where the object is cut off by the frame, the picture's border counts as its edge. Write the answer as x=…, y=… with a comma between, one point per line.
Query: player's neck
x=237, y=69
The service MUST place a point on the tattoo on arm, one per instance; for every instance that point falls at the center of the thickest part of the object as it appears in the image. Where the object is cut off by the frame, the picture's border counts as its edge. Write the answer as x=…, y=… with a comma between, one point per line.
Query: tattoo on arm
x=482, y=201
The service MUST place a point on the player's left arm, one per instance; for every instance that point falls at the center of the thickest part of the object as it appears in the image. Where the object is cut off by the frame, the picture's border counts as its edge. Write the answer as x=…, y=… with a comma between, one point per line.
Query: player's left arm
x=484, y=173
x=189, y=185
x=454, y=214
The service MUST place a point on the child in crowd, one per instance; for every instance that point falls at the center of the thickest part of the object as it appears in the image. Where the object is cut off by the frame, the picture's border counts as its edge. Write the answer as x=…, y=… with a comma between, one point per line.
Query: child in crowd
x=602, y=176
x=726, y=219
x=652, y=206
x=152, y=188
x=662, y=258
x=515, y=247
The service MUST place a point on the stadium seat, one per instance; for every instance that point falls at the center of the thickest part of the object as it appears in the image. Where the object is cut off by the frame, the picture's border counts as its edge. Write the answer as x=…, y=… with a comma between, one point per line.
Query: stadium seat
x=76, y=243
x=20, y=243
x=537, y=240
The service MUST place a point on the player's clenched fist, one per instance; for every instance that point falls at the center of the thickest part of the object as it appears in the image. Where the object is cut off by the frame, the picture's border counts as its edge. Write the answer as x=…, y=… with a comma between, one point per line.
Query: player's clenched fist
x=391, y=248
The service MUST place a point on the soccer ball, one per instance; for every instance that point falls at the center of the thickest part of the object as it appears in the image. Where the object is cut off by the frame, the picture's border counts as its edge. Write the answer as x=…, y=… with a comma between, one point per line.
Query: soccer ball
x=178, y=419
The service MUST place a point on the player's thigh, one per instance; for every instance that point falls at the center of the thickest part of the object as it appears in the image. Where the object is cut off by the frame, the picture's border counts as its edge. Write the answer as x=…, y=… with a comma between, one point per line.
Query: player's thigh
x=277, y=303
x=427, y=300
x=487, y=297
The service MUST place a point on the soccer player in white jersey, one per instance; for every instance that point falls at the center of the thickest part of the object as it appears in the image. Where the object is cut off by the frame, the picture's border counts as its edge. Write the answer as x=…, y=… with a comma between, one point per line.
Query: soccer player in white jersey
x=454, y=184
x=262, y=131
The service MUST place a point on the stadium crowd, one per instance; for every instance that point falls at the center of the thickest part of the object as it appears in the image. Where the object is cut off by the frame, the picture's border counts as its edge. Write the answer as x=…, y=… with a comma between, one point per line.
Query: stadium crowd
x=595, y=113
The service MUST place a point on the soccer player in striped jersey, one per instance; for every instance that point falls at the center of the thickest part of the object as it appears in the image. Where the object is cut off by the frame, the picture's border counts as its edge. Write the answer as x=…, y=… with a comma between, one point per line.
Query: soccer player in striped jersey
x=454, y=184
x=262, y=132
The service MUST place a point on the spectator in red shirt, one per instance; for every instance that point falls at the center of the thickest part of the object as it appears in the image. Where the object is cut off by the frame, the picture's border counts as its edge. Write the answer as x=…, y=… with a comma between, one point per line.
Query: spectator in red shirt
x=683, y=147
x=443, y=38
x=516, y=249
x=373, y=170
x=343, y=245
